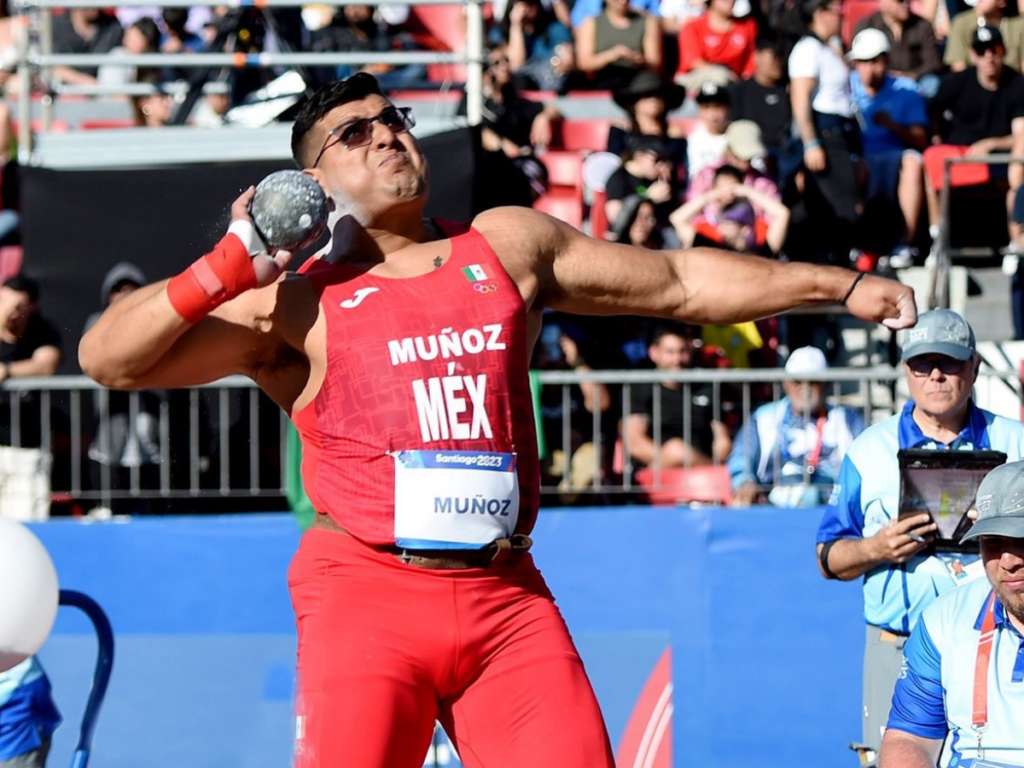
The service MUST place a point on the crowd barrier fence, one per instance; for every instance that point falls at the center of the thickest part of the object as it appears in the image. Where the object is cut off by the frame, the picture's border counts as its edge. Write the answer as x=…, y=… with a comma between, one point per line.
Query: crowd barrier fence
x=227, y=440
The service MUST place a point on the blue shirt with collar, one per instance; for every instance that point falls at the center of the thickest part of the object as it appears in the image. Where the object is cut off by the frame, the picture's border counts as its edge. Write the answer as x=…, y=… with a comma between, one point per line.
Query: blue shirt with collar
x=27, y=712
x=865, y=498
x=900, y=98
x=935, y=688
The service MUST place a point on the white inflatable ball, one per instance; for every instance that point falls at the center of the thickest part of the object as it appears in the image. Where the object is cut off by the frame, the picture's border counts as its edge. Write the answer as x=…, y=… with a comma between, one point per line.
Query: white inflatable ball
x=28, y=593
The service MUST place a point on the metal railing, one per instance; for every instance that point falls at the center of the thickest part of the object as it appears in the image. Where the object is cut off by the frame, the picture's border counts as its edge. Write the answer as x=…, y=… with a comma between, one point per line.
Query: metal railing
x=225, y=440
x=944, y=254
x=228, y=441
x=876, y=392
x=34, y=39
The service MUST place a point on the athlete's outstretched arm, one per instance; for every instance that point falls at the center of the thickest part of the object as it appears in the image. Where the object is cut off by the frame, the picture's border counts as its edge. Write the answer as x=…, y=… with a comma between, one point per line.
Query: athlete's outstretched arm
x=189, y=330
x=576, y=273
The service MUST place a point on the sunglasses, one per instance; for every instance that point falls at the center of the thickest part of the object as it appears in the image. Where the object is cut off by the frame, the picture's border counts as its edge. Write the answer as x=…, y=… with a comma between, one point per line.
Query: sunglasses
x=923, y=366
x=359, y=133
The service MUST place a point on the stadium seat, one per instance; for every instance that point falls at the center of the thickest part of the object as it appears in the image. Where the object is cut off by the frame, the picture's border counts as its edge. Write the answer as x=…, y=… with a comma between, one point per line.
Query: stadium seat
x=695, y=485
x=446, y=24
x=11, y=259
x=565, y=169
x=589, y=135
x=853, y=12
x=598, y=219
x=960, y=174
x=564, y=207
x=686, y=123
x=426, y=96
x=56, y=126
x=542, y=96
x=99, y=124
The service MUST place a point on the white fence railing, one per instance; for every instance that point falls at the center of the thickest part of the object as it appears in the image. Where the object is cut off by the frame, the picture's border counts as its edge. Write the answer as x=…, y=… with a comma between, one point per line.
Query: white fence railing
x=34, y=40
x=226, y=441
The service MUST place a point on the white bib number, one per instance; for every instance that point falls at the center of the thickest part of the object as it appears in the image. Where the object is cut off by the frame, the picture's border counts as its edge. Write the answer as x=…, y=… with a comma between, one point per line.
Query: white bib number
x=454, y=499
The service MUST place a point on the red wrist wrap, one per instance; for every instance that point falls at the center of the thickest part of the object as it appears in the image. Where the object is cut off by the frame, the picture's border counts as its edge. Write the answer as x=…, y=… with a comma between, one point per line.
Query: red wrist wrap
x=217, y=277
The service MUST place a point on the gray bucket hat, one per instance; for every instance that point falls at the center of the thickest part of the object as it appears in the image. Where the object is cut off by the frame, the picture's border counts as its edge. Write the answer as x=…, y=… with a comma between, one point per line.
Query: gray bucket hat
x=1000, y=503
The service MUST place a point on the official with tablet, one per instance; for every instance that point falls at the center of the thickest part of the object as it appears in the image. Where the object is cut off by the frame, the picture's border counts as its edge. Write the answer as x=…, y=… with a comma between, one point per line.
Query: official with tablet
x=863, y=534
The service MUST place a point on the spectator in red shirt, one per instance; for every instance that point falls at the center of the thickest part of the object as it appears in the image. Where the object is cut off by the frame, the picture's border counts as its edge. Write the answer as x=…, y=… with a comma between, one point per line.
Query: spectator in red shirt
x=716, y=47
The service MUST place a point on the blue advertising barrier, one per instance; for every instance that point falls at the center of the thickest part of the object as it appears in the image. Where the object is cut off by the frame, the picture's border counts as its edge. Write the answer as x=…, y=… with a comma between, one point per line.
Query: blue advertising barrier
x=765, y=655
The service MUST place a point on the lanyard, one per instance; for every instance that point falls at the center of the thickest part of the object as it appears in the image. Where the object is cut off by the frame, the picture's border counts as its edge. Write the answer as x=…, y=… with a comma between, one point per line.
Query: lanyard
x=815, y=455
x=979, y=718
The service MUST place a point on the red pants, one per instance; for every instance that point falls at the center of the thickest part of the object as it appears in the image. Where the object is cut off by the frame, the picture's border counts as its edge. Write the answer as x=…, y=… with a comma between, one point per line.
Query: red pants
x=385, y=649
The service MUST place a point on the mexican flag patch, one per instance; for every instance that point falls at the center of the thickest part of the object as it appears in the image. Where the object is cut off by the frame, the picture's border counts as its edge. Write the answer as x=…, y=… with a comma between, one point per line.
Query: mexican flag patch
x=474, y=273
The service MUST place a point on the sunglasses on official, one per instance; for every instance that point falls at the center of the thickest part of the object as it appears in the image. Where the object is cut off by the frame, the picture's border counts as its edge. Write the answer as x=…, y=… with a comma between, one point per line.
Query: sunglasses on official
x=359, y=133
x=923, y=366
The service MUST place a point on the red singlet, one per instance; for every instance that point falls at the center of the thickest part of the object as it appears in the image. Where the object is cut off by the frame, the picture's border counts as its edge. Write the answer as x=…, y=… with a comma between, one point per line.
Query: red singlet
x=436, y=362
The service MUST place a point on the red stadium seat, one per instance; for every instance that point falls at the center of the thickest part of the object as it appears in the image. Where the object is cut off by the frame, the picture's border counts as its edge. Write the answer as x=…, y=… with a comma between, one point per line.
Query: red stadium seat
x=695, y=485
x=584, y=135
x=541, y=96
x=960, y=174
x=99, y=124
x=564, y=206
x=853, y=12
x=56, y=126
x=11, y=259
x=686, y=123
x=598, y=219
x=428, y=96
x=445, y=24
x=565, y=169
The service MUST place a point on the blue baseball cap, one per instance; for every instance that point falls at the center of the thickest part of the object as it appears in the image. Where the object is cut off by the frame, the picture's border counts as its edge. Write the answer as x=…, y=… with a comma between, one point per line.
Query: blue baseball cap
x=1000, y=503
x=939, y=332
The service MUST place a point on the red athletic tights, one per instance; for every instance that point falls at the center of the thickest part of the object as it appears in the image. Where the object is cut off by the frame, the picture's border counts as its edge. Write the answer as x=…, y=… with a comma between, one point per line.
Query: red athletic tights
x=385, y=649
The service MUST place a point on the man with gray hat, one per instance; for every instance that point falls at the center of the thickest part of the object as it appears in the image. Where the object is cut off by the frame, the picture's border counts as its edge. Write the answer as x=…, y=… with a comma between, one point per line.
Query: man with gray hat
x=861, y=535
x=963, y=667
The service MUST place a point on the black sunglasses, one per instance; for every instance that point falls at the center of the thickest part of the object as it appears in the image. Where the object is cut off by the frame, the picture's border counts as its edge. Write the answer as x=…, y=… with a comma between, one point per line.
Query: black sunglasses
x=923, y=366
x=359, y=133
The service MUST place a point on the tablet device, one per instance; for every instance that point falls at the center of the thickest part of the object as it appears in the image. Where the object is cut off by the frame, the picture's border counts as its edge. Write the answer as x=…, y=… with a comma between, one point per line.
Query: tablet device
x=944, y=484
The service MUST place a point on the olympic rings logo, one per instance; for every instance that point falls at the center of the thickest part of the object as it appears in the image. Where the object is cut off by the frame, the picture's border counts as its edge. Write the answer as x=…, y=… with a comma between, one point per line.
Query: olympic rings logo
x=485, y=287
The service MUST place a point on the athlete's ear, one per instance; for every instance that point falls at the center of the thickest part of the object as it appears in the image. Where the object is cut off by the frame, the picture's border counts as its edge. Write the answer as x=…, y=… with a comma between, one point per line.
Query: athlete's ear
x=317, y=176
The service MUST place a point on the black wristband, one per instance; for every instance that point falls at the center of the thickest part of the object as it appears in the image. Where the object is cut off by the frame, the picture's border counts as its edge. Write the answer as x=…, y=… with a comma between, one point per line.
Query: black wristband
x=823, y=556
x=849, y=293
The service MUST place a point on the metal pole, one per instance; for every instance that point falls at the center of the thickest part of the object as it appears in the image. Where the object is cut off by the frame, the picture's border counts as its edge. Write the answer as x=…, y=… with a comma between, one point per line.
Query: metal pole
x=474, y=61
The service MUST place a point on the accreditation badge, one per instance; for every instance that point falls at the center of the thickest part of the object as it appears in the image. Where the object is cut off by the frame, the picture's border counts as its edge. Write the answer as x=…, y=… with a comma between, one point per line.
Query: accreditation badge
x=454, y=499
x=963, y=571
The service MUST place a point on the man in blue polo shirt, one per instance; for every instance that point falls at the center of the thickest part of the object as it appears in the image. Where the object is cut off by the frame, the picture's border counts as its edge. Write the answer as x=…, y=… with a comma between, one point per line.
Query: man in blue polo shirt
x=894, y=128
x=860, y=533
x=28, y=716
x=963, y=669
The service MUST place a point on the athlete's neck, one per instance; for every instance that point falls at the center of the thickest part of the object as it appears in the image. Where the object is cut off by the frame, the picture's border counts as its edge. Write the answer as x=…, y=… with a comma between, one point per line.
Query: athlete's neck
x=354, y=242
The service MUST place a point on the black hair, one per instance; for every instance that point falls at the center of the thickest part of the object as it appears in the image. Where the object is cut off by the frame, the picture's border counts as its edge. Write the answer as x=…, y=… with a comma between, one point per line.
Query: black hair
x=545, y=17
x=23, y=284
x=149, y=30
x=808, y=7
x=175, y=19
x=333, y=95
x=729, y=170
x=768, y=41
x=682, y=330
x=618, y=232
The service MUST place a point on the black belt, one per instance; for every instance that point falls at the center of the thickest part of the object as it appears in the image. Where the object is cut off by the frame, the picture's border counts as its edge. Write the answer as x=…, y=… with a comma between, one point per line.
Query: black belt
x=496, y=553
